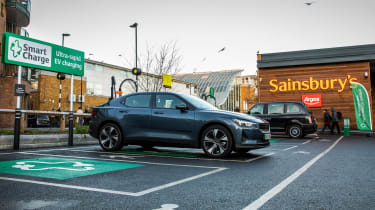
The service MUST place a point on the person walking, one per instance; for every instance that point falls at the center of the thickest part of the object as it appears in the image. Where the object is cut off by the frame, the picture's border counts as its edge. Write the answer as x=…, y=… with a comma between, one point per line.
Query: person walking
x=327, y=120
x=335, y=121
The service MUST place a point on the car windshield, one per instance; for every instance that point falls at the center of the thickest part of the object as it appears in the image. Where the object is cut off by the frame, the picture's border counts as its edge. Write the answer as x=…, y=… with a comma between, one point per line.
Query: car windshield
x=198, y=103
x=43, y=117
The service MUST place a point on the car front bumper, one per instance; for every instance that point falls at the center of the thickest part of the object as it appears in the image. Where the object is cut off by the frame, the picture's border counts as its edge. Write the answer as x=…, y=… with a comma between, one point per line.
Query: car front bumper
x=253, y=139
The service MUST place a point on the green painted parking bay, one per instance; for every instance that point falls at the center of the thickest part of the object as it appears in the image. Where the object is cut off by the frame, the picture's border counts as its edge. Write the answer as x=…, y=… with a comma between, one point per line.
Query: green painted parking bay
x=61, y=168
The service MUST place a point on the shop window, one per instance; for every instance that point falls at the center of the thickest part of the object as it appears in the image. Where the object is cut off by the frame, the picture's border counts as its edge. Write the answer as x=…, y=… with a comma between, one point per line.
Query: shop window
x=99, y=68
x=90, y=66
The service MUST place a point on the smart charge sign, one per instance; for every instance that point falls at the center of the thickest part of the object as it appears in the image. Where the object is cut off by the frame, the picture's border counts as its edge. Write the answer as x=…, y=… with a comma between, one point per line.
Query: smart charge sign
x=24, y=51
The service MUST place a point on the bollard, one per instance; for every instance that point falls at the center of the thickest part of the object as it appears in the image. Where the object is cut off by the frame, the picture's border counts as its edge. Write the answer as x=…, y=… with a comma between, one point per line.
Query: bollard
x=346, y=127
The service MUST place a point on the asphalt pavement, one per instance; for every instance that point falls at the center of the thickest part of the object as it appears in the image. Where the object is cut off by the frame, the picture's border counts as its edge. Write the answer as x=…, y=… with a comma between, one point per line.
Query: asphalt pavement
x=325, y=172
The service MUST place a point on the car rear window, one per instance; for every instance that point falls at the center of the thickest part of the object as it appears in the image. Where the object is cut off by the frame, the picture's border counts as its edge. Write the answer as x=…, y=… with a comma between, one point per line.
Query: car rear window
x=138, y=101
x=294, y=108
x=275, y=108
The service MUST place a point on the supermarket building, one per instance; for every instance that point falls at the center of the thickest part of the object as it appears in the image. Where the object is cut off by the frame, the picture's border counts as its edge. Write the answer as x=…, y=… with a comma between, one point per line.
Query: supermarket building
x=320, y=77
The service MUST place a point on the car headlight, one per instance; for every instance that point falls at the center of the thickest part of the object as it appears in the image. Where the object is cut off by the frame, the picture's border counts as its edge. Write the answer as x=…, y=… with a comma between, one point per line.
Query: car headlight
x=244, y=123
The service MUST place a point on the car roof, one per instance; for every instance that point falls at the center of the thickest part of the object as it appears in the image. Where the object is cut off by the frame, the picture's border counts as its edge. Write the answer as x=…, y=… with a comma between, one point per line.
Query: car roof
x=277, y=102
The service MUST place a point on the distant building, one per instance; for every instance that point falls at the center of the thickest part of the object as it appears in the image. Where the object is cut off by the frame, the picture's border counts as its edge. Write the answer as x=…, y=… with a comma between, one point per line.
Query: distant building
x=249, y=93
x=95, y=86
x=225, y=87
x=14, y=14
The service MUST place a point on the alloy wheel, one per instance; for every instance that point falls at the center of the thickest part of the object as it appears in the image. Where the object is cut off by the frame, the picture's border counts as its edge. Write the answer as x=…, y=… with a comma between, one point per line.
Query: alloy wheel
x=216, y=141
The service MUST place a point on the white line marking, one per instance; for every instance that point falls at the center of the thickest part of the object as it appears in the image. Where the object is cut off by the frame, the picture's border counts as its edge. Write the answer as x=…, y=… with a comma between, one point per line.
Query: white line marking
x=301, y=152
x=141, y=193
x=116, y=160
x=262, y=156
x=289, y=148
x=308, y=141
x=70, y=186
x=179, y=182
x=278, y=188
x=162, y=156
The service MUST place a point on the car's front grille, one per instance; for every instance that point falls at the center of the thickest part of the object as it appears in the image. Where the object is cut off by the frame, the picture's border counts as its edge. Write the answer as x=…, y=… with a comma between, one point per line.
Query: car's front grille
x=264, y=126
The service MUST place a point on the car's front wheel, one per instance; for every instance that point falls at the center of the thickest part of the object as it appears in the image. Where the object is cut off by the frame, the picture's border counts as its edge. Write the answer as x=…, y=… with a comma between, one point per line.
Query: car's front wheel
x=110, y=137
x=295, y=131
x=216, y=141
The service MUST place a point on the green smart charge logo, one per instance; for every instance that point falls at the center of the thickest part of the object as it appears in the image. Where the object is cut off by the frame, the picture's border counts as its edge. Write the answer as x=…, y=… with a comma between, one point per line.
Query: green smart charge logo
x=25, y=51
x=16, y=48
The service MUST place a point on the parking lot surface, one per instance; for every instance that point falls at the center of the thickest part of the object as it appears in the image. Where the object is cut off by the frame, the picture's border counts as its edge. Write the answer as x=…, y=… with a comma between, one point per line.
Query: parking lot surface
x=318, y=172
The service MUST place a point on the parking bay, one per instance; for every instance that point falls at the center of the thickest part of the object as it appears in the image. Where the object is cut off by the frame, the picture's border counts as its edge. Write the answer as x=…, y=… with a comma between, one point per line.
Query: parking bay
x=142, y=173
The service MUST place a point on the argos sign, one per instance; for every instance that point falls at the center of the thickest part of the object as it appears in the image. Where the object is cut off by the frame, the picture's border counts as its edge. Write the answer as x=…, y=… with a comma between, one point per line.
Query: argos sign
x=314, y=100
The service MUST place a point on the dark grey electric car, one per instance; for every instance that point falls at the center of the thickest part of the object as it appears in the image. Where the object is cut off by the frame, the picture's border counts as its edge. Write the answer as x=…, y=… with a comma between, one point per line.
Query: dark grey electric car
x=170, y=119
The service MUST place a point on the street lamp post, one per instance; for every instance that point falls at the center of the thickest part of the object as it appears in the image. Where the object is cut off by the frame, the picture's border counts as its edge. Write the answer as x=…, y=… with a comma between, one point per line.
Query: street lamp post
x=135, y=25
x=71, y=118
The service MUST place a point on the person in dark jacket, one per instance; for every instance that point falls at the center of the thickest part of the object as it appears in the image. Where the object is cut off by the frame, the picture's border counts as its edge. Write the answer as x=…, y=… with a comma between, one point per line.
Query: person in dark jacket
x=335, y=121
x=327, y=120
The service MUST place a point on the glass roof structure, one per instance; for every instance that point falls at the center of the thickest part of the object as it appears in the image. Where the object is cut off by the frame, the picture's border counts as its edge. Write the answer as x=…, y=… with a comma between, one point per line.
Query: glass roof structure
x=221, y=81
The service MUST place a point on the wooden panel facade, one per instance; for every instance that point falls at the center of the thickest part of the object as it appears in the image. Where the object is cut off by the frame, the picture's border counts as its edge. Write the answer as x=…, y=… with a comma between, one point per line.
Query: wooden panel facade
x=329, y=80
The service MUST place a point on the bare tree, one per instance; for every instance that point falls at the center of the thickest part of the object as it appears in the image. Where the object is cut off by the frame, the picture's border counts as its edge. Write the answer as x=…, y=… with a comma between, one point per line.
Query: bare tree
x=166, y=61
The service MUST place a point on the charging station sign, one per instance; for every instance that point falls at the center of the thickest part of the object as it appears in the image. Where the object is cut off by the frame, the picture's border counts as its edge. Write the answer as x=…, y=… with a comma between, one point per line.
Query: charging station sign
x=24, y=51
x=313, y=100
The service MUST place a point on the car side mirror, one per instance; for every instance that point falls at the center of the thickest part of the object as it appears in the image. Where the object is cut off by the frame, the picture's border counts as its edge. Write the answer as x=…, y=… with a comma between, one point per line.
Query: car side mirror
x=182, y=107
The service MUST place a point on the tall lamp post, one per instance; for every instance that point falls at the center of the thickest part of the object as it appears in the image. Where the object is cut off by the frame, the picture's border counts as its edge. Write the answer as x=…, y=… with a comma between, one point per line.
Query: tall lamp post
x=135, y=25
x=70, y=141
x=62, y=44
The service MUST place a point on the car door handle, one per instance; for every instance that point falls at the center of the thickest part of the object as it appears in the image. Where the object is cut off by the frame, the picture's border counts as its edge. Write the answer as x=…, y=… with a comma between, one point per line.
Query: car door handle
x=124, y=111
x=158, y=112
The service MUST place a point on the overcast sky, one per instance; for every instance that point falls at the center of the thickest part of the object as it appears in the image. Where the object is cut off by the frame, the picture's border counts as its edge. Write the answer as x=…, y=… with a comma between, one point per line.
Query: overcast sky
x=202, y=27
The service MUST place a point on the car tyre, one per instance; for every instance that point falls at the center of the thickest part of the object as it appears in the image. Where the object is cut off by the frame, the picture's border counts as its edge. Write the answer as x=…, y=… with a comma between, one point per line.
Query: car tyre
x=242, y=151
x=216, y=141
x=110, y=137
x=295, y=131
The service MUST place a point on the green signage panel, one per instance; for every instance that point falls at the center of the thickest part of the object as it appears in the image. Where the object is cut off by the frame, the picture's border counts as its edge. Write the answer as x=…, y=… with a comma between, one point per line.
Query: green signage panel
x=24, y=51
x=61, y=168
x=361, y=106
x=212, y=92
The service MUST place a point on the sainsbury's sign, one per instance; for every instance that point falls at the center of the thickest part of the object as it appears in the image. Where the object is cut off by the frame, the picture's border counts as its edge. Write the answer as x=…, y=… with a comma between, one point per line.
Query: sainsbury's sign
x=313, y=100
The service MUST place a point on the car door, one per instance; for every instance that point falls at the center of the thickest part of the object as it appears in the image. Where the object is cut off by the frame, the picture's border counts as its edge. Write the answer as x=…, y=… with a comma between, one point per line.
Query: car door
x=135, y=116
x=276, y=115
x=169, y=123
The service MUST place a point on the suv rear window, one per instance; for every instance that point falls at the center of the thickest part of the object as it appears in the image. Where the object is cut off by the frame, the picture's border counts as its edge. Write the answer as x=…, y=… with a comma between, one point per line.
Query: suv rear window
x=275, y=108
x=294, y=108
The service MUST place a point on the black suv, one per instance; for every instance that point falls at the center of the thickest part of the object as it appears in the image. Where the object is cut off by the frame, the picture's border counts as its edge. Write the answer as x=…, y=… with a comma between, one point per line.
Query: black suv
x=291, y=118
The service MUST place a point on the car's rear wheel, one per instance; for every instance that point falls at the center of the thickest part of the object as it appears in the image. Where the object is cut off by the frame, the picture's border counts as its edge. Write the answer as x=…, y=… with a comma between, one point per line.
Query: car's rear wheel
x=216, y=141
x=110, y=137
x=295, y=131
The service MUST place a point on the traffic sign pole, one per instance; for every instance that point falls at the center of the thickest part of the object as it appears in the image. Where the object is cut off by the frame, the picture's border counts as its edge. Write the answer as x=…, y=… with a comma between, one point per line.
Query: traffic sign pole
x=17, y=119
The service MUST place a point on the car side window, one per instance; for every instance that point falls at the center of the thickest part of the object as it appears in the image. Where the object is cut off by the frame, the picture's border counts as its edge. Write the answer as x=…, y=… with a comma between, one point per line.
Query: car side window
x=275, y=108
x=294, y=108
x=165, y=101
x=138, y=101
x=257, y=109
